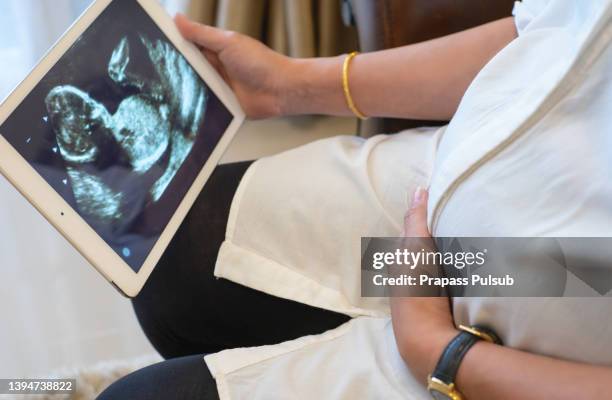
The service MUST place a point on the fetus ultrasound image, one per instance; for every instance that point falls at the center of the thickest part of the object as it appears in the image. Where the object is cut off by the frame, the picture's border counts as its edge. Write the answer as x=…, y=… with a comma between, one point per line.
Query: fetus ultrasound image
x=120, y=127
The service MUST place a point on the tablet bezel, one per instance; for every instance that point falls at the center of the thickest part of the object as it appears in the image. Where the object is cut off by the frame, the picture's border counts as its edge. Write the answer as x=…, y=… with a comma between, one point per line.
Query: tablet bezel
x=55, y=209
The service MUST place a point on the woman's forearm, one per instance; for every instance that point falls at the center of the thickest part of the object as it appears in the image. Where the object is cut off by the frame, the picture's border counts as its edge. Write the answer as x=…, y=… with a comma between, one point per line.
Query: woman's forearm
x=423, y=327
x=421, y=81
x=489, y=371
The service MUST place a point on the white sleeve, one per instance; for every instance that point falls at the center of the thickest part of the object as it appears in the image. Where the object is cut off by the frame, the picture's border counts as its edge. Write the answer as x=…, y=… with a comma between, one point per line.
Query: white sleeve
x=526, y=11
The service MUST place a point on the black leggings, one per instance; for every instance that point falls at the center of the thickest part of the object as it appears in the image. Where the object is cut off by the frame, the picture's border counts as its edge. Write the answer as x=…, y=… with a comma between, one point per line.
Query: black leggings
x=186, y=312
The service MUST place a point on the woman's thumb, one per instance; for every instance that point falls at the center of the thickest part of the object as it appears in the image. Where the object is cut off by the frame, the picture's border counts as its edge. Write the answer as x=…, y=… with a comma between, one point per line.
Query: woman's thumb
x=415, y=220
x=205, y=36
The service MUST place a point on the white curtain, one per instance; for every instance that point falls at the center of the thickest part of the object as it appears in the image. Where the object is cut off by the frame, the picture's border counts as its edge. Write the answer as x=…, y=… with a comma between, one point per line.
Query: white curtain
x=27, y=29
x=175, y=6
x=299, y=28
x=56, y=311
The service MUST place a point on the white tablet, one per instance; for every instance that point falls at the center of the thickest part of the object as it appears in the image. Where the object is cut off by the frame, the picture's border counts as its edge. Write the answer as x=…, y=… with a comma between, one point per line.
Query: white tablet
x=113, y=135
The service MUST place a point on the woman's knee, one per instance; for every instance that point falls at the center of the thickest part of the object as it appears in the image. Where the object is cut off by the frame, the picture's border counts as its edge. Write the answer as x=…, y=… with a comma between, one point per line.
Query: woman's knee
x=171, y=310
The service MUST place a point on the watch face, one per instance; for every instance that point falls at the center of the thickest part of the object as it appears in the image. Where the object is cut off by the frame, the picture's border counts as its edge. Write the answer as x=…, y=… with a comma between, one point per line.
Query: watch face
x=438, y=396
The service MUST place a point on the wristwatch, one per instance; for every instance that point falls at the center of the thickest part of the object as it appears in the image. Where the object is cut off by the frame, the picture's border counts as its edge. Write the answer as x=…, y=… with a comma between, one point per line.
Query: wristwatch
x=441, y=383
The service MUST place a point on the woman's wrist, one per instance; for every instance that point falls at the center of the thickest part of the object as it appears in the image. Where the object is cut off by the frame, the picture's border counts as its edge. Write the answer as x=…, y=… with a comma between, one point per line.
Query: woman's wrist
x=313, y=86
x=423, y=355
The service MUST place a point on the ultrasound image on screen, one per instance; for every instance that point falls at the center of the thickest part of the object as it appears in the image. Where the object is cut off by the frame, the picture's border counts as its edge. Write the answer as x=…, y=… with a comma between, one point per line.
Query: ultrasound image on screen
x=120, y=127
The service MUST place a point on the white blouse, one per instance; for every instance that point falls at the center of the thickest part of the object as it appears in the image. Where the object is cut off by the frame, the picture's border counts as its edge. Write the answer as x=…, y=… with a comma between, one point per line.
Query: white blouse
x=542, y=168
x=529, y=153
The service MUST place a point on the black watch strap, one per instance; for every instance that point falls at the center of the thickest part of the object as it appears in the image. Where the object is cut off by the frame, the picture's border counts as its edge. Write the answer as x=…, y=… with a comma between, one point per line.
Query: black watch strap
x=450, y=360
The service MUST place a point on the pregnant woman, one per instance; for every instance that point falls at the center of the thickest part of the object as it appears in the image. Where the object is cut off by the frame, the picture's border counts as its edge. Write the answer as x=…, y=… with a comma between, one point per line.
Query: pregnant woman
x=528, y=152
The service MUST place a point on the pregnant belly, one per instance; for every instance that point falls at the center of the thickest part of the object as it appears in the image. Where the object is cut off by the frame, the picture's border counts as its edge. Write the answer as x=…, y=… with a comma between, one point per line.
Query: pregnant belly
x=536, y=188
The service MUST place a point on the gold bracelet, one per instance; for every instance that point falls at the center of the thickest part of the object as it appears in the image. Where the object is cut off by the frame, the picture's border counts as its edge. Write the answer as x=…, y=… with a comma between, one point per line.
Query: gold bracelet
x=346, y=87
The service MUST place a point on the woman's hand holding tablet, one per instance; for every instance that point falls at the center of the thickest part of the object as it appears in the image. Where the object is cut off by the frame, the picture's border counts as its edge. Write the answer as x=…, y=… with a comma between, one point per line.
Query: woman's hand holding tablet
x=113, y=135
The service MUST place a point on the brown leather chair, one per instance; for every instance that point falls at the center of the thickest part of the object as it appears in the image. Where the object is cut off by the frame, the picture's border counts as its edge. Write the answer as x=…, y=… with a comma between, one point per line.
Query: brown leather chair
x=383, y=24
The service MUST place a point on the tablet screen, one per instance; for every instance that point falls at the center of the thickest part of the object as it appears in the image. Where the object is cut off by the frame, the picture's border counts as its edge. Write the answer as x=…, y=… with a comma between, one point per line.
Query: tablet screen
x=120, y=127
